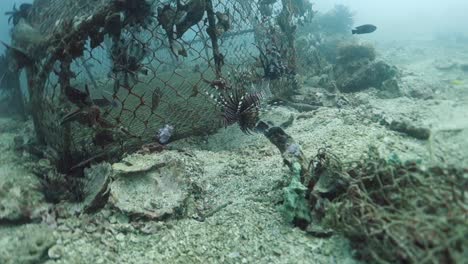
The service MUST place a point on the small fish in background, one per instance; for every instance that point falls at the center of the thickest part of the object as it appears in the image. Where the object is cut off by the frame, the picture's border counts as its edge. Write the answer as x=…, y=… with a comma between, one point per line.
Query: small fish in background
x=87, y=113
x=364, y=29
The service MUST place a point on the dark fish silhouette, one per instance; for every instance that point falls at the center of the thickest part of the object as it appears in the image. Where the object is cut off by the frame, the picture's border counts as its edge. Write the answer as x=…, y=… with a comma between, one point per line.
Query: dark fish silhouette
x=364, y=29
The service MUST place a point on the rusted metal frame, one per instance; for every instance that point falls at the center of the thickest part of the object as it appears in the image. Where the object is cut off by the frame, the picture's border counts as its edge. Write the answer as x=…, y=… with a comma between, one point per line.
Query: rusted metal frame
x=227, y=35
x=35, y=101
x=66, y=159
x=217, y=56
x=202, y=39
x=77, y=34
x=38, y=75
x=290, y=33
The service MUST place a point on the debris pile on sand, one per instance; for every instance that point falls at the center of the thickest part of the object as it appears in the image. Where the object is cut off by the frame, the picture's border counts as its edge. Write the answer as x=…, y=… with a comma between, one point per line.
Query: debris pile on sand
x=400, y=212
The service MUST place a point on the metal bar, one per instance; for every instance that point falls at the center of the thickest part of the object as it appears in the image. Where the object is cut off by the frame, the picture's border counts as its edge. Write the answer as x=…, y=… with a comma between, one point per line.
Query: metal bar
x=218, y=57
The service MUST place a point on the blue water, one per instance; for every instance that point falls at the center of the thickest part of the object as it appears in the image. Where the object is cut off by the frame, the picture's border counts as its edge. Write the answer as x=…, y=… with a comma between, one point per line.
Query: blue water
x=397, y=19
x=404, y=19
x=5, y=6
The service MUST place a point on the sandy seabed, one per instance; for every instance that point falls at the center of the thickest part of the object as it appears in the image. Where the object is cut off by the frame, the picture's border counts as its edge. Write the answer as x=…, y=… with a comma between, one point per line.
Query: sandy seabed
x=243, y=176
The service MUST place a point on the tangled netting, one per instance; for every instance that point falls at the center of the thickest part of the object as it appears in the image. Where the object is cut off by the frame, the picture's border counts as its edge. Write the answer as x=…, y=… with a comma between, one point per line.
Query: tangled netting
x=396, y=212
x=110, y=76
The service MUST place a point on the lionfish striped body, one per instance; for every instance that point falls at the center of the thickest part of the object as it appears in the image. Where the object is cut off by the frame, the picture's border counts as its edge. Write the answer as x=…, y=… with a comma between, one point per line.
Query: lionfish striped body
x=239, y=107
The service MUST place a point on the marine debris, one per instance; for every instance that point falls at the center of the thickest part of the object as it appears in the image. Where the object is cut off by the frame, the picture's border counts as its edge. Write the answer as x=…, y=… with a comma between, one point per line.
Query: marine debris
x=162, y=71
x=389, y=209
x=410, y=130
x=401, y=212
x=96, y=187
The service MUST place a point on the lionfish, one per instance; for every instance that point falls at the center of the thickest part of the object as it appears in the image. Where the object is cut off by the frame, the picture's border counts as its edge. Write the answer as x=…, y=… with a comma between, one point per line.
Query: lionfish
x=239, y=106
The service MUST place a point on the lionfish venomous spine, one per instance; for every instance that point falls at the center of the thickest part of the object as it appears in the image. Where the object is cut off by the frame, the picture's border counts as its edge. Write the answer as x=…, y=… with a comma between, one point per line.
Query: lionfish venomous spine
x=238, y=106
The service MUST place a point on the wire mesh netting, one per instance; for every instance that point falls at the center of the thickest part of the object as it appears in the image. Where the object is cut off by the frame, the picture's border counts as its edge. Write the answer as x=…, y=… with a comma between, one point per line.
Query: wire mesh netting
x=113, y=75
x=398, y=212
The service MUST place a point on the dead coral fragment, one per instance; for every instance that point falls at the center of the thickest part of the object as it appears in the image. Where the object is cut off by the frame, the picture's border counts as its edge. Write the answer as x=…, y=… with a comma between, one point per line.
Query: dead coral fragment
x=411, y=130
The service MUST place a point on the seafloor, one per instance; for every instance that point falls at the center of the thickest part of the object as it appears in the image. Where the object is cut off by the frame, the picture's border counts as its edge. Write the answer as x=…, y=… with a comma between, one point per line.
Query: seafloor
x=242, y=178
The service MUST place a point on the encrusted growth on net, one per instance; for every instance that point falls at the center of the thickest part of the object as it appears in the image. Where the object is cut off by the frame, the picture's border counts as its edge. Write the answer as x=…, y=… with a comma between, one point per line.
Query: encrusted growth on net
x=107, y=75
x=396, y=212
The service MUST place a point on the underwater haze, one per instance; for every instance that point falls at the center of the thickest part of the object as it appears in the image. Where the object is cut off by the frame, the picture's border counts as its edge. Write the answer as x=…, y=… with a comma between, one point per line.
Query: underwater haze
x=407, y=20
x=234, y=131
x=6, y=6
